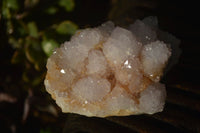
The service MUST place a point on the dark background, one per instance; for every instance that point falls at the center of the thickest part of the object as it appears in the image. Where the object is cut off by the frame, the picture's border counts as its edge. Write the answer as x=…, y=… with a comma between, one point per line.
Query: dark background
x=182, y=110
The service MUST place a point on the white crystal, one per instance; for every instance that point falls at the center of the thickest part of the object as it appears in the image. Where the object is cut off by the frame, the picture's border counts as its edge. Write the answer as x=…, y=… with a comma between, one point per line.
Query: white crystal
x=87, y=89
x=110, y=71
x=153, y=98
x=120, y=102
x=97, y=63
x=120, y=45
x=154, y=58
x=144, y=33
x=106, y=28
x=79, y=47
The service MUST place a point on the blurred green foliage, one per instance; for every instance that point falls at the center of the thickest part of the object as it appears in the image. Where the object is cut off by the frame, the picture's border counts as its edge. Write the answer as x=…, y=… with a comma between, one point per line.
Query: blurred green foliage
x=67, y=4
x=66, y=27
x=48, y=46
x=32, y=43
x=32, y=29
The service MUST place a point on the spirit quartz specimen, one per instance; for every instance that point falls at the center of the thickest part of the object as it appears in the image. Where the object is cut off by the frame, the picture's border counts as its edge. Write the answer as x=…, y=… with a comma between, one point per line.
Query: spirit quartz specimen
x=111, y=71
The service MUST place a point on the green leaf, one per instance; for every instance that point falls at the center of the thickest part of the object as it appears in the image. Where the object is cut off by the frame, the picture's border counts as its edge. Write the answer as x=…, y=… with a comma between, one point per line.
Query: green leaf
x=12, y=4
x=48, y=46
x=6, y=11
x=51, y=10
x=16, y=44
x=34, y=53
x=32, y=29
x=67, y=4
x=32, y=49
x=66, y=27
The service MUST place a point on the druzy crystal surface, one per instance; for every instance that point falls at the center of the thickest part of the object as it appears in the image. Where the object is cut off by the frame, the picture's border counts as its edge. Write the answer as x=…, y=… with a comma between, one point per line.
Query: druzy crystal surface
x=110, y=70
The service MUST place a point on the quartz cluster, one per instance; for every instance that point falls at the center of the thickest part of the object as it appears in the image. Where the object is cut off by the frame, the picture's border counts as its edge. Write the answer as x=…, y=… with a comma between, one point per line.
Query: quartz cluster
x=110, y=70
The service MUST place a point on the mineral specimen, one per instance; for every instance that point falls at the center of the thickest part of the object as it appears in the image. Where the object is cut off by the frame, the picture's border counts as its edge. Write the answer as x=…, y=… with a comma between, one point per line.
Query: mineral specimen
x=111, y=71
